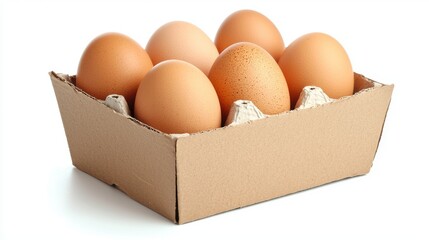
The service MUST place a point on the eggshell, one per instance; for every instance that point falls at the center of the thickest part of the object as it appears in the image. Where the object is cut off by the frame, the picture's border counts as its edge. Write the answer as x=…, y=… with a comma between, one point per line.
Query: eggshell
x=177, y=97
x=183, y=41
x=112, y=64
x=245, y=71
x=317, y=59
x=250, y=26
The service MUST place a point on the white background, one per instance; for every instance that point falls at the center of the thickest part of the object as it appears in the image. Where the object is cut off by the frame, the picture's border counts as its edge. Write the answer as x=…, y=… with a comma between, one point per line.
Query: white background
x=43, y=195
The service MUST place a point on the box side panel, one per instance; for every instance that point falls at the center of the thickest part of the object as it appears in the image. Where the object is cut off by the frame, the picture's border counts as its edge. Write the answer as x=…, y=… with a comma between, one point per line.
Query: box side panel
x=250, y=163
x=361, y=83
x=118, y=151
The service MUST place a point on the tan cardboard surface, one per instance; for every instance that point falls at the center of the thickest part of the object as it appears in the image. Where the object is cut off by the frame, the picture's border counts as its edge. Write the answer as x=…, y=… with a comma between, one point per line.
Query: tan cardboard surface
x=246, y=164
x=116, y=150
x=216, y=171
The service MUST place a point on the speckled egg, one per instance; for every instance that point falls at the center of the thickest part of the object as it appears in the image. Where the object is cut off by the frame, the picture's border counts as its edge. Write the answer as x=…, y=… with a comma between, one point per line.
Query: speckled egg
x=245, y=71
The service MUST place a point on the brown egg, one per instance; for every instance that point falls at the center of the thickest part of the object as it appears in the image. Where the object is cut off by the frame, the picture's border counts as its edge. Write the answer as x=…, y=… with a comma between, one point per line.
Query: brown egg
x=183, y=41
x=317, y=59
x=250, y=26
x=245, y=71
x=112, y=63
x=177, y=97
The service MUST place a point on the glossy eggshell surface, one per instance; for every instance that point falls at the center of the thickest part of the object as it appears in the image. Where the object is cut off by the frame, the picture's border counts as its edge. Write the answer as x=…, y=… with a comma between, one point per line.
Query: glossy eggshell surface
x=245, y=71
x=112, y=64
x=250, y=26
x=182, y=41
x=177, y=97
x=317, y=59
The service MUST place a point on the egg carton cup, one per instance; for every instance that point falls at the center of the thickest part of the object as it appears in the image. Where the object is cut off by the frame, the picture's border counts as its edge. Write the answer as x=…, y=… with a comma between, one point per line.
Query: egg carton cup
x=243, y=111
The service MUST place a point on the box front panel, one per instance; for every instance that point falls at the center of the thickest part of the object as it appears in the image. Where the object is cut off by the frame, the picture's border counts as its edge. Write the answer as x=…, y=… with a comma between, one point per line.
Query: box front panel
x=238, y=166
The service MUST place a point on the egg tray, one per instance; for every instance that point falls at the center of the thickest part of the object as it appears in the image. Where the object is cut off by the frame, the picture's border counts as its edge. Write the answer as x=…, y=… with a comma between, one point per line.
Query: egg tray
x=193, y=176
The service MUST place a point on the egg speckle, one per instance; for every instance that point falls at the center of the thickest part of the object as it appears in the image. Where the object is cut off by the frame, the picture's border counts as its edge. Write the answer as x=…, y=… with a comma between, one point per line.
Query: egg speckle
x=245, y=71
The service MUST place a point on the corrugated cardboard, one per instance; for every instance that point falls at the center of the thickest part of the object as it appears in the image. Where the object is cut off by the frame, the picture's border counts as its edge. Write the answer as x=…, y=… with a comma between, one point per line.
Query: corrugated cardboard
x=194, y=176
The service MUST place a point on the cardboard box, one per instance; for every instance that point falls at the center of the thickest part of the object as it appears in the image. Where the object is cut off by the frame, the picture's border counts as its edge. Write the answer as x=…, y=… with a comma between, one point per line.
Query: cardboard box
x=185, y=178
